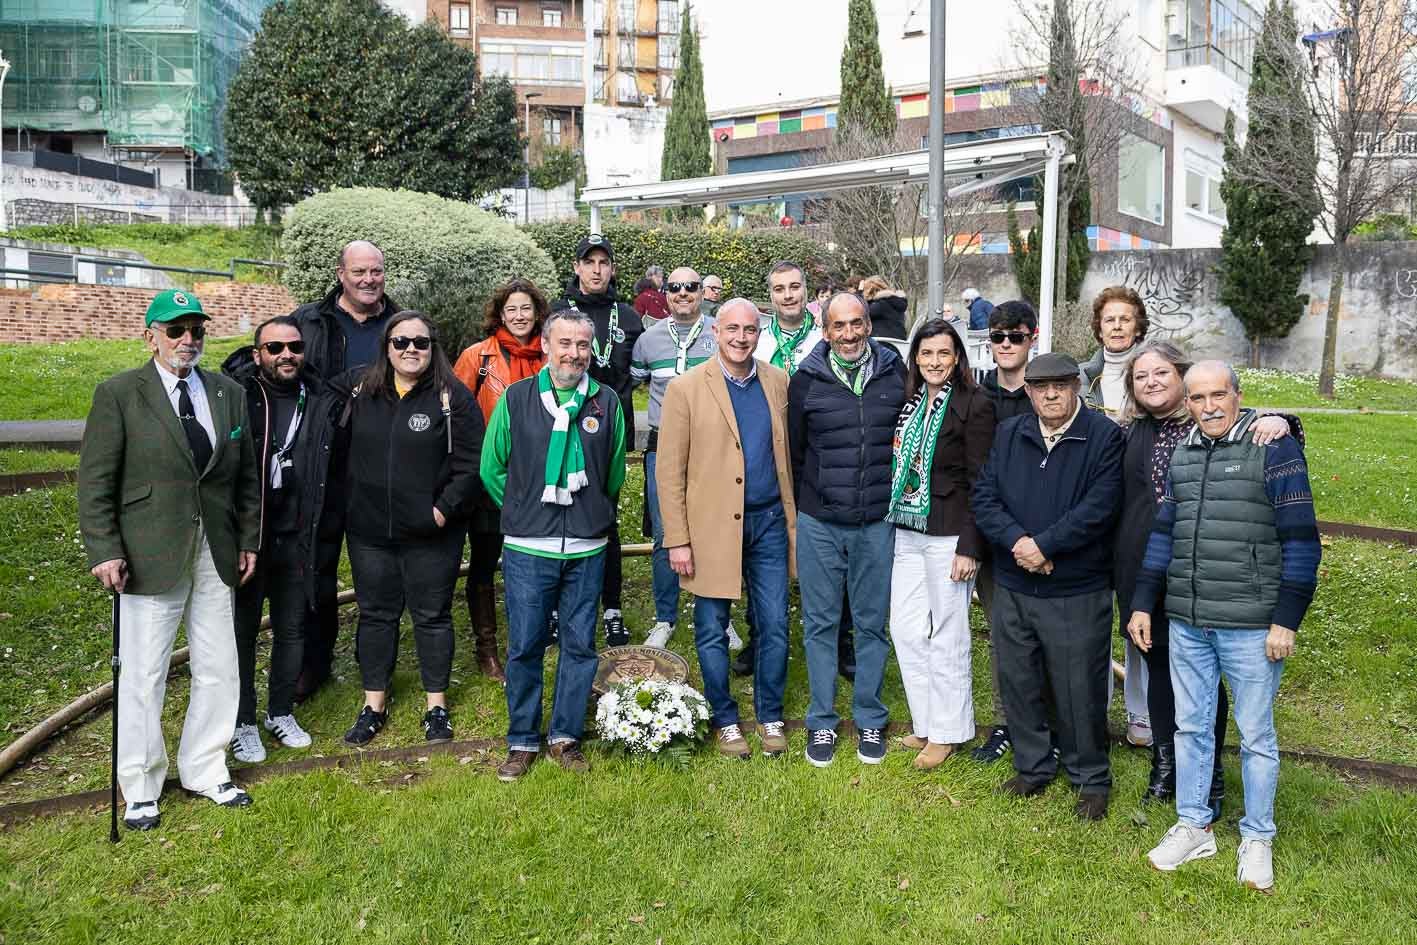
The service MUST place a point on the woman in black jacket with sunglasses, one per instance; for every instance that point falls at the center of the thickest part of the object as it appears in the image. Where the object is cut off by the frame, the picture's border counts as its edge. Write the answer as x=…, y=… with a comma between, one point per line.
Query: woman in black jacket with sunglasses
x=411, y=438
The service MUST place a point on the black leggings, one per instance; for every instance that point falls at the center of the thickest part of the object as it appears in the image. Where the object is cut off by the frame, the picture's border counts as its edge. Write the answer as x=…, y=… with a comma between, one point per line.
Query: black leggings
x=1161, y=697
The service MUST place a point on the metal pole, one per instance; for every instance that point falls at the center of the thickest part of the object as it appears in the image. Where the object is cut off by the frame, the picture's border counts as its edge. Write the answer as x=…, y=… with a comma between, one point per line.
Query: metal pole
x=526, y=172
x=595, y=218
x=1049, y=247
x=4, y=217
x=935, y=247
x=113, y=757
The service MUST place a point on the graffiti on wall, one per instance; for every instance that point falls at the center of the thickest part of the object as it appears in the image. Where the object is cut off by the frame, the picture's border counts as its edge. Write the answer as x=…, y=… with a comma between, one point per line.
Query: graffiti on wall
x=1405, y=318
x=1172, y=287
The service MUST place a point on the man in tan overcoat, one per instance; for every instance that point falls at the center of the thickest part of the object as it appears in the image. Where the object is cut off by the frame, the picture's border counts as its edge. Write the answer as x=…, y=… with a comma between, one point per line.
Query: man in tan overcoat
x=725, y=496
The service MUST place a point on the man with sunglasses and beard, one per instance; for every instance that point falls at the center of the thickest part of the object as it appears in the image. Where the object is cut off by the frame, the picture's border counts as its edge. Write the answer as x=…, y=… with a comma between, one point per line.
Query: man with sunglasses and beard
x=169, y=509
x=286, y=410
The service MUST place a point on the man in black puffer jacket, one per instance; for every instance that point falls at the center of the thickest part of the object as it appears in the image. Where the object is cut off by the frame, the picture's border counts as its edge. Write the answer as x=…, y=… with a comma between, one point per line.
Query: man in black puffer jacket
x=842, y=406
x=617, y=328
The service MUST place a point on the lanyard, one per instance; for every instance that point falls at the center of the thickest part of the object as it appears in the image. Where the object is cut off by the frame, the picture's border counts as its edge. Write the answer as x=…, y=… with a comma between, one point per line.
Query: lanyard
x=278, y=457
x=681, y=360
x=617, y=335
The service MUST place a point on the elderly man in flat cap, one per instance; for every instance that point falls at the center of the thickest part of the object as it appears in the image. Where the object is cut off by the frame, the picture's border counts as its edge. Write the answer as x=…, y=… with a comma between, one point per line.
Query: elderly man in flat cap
x=1047, y=501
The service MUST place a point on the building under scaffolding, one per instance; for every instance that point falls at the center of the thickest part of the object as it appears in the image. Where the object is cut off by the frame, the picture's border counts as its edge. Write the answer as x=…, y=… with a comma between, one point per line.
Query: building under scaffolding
x=136, y=81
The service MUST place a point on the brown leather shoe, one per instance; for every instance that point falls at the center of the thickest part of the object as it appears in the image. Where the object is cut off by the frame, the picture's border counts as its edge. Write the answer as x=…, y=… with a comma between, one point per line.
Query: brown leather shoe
x=518, y=763
x=933, y=755
x=1091, y=805
x=1019, y=786
x=568, y=755
x=484, y=632
x=732, y=743
x=913, y=742
x=773, y=736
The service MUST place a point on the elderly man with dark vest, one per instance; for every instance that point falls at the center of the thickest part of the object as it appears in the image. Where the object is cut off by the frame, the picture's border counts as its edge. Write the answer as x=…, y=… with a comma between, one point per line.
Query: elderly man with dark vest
x=1237, y=546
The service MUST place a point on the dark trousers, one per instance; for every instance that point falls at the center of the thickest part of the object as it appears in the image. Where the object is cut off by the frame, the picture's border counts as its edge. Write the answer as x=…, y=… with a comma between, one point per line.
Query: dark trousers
x=322, y=620
x=1161, y=695
x=418, y=575
x=484, y=549
x=612, y=590
x=280, y=579
x=1063, y=643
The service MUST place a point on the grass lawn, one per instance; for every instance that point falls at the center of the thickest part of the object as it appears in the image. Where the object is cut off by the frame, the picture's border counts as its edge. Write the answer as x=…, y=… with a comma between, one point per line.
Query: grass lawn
x=172, y=244
x=26, y=460
x=1268, y=388
x=1361, y=468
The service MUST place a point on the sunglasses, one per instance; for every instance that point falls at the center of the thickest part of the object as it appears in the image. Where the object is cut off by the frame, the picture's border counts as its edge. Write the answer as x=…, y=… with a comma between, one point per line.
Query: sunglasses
x=174, y=332
x=274, y=348
x=401, y=343
x=674, y=288
x=1014, y=337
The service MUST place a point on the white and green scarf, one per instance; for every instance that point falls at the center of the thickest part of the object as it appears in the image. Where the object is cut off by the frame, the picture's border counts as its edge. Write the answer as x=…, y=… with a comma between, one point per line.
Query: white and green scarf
x=565, y=459
x=915, y=437
x=785, y=355
x=842, y=368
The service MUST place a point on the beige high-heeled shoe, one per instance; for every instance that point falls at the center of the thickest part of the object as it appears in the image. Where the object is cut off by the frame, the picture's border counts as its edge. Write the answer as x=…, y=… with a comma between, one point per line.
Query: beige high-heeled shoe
x=932, y=756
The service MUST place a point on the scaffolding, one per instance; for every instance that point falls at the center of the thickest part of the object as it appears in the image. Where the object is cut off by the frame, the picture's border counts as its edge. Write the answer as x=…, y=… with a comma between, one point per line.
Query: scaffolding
x=151, y=75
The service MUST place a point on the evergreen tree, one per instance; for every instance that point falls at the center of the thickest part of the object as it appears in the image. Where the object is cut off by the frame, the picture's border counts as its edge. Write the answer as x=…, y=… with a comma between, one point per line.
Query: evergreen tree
x=1269, y=190
x=866, y=110
x=686, y=134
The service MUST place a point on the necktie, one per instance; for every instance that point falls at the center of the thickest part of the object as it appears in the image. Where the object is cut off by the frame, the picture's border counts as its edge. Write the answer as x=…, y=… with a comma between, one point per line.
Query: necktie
x=197, y=438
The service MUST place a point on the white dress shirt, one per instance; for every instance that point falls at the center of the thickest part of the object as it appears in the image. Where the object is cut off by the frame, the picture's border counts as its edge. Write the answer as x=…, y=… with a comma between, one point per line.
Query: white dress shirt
x=195, y=389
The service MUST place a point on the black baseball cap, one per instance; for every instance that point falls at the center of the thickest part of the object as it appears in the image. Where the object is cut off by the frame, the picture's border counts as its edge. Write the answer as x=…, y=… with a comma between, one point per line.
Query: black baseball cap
x=1050, y=367
x=594, y=241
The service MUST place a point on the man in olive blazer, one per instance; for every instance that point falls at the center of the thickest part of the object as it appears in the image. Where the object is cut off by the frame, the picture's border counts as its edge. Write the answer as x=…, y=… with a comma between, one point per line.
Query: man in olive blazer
x=725, y=497
x=169, y=508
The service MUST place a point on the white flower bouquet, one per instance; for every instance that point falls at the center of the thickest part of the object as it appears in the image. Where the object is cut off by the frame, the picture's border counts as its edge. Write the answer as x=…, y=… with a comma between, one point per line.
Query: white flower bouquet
x=651, y=717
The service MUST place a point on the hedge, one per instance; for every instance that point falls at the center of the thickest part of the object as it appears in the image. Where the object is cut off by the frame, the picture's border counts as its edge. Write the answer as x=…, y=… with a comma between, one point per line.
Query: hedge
x=432, y=247
x=741, y=258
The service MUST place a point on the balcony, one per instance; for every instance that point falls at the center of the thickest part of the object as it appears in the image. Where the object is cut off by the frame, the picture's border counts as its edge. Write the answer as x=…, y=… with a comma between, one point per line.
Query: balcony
x=1209, y=45
x=1201, y=90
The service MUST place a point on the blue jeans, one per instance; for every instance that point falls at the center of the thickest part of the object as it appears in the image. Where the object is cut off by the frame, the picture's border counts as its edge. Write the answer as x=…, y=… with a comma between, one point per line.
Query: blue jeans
x=765, y=573
x=663, y=580
x=855, y=559
x=1199, y=655
x=535, y=586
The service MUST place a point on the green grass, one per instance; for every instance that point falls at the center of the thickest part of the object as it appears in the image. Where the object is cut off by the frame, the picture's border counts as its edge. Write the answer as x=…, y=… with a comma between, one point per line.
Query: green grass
x=172, y=244
x=1268, y=388
x=56, y=381
x=26, y=460
x=1361, y=468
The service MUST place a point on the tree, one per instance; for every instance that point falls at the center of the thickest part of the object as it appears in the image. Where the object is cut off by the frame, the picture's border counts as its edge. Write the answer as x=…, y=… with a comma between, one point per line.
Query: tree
x=372, y=103
x=1263, y=248
x=866, y=108
x=686, y=133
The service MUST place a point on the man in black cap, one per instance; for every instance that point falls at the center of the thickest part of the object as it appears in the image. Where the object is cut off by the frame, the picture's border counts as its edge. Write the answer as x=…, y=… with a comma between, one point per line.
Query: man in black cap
x=1047, y=501
x=592, y=290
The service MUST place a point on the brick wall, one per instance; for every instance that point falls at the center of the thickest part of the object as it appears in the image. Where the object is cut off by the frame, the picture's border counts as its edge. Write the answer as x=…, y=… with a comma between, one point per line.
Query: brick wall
x=71, y=312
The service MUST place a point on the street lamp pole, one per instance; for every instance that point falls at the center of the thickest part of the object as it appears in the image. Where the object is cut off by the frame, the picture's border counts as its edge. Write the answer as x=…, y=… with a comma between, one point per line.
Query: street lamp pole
x=526, y=175
x=4, y=217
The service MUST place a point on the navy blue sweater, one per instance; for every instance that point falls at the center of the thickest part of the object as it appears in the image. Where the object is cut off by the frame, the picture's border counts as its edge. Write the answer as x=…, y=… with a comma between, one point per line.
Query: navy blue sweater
x=750, y=409
x=1067, y=501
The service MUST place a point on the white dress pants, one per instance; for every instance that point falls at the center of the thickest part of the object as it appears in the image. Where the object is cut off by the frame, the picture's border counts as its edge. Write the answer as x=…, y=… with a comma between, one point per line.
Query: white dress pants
x=148, y=629
x=930, y=630
x=1134, y=691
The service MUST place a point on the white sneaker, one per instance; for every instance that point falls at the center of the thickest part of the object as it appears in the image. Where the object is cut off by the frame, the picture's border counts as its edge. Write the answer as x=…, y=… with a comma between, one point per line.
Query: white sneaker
x=1139, y=731
x=1255, y=867
x=285, y=728
x=735, y=642
x=1181, y=844
x=246, y=745
x=659, y=634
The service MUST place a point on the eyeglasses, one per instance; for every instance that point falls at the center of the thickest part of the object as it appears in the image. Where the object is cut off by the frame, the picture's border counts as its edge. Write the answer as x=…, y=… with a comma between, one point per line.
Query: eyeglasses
x=198, y=332
x=1014, y=337
x=674, y=288
x=401, y=343
x=274, y=348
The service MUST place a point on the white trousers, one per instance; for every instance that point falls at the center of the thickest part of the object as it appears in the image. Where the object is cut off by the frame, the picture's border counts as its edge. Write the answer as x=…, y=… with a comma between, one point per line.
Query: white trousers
x=148, y=630
x=1134, y=691
x=930, y=630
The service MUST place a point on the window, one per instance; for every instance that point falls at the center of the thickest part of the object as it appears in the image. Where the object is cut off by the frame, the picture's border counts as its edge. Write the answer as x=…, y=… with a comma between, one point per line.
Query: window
x=1141, y=179
x=1220, y=33
x=668, y=52
x=566, y=64
x=668, y=20
x=625, y=16
x=533, y=64
x=1203, y=186
x=550, y=17
x=506, y=16
x=666, y=86
x=551, y=130
x=626, y=91
x=598, y=53
x=54, y=62
x=625, y=56
x=459, y=19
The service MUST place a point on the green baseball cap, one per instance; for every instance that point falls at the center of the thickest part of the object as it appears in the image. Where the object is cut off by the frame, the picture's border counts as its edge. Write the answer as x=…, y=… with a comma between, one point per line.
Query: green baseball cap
x=174, y=303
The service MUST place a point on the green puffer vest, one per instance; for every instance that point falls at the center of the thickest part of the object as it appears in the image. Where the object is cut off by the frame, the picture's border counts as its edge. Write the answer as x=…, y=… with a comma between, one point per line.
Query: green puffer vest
x=1225, y=556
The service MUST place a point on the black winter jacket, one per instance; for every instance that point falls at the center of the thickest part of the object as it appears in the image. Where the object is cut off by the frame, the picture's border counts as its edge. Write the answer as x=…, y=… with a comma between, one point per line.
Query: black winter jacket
x=841, y=444
x=1067, y=501
x=399, y=461
x=616, y=374
x=1007, y=403
x=888, y=316
x=324, y=342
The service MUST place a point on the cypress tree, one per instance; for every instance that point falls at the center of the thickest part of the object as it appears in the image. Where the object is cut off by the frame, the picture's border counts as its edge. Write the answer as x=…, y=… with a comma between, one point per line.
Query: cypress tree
x=686, y=134
x=866, y=111
x=1269, y=190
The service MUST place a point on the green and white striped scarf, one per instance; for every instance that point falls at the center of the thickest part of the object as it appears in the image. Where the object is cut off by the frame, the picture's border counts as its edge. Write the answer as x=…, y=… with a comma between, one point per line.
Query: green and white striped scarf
x=565, y=459
x=915, y=437
x=842, y=368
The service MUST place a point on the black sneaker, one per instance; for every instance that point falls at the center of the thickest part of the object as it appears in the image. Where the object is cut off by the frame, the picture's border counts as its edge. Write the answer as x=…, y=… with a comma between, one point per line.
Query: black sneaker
x=553, y=629
x=615, y=632
x=742, y=664
x=994, y=746
x=369, y=724
x=821, y=747
x=846, y=656
x=870, y=746
x=436, y=726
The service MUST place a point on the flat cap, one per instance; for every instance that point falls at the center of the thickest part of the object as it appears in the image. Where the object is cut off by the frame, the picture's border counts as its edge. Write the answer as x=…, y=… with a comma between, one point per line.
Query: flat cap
x=1050, y=367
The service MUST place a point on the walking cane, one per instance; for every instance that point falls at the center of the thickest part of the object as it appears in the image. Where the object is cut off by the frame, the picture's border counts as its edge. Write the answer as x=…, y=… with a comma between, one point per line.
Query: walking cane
x=113, y=776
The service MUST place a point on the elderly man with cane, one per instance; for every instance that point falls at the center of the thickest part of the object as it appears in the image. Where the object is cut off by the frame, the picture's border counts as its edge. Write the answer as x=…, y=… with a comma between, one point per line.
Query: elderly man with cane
x=169, y=508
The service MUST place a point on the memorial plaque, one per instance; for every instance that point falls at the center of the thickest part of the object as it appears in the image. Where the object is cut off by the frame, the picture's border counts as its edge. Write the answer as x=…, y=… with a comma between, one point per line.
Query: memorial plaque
x=621, y=664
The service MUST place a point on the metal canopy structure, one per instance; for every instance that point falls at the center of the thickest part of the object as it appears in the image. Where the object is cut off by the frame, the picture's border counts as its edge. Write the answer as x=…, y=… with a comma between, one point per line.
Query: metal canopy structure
x=967, y=168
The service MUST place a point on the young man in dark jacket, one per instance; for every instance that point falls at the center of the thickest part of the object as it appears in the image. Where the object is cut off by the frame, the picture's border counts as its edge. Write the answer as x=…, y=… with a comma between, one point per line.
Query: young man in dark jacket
x=842, y=407
x=1047, y=501
x=591, y=291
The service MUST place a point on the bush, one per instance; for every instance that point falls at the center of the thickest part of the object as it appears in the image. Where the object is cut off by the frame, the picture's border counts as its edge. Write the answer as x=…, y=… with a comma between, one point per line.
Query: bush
x=558, y=165
x=1385, y=227
x=433, y=247
x=741, y=258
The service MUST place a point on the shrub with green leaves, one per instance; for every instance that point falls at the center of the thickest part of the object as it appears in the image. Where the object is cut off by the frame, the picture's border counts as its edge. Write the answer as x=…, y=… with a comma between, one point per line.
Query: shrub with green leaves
x=433, y=248
x=741, y=258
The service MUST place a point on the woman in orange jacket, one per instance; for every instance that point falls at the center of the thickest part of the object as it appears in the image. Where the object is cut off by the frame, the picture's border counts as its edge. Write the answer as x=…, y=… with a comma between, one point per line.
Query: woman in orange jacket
x=511, y=352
